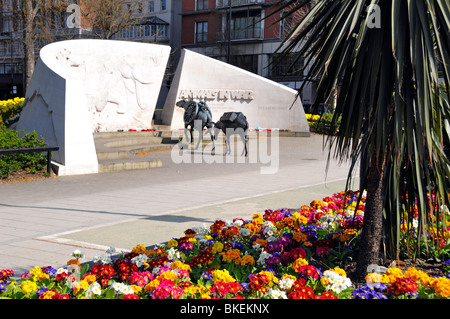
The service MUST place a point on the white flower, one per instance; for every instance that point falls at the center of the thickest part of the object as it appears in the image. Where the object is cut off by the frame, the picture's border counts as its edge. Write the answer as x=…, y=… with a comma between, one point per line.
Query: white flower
x=97, y=258
x=111, y=250
x=268, y=231
x=286, y=283
x=201, y=230
x=174, y=254
x=62, y=270
x=121, y=288
x=77, y=254
x=268, y=224
x=262, y=257
x=349, y=213
x=93, y=289
x=256, y=246
x=238, y=223
x=337, y=283
x=125, y=289
x=244, y=232
x=139, y=260
x=276, y=294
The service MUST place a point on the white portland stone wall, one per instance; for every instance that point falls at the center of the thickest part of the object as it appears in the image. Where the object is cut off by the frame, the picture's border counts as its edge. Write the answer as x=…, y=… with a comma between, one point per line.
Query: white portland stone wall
x=83, y=86
x=226, y=88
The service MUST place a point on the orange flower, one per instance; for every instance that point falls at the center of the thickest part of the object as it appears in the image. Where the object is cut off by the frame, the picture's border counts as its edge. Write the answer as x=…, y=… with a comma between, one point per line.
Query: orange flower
x=73, y=262
x=299, y=236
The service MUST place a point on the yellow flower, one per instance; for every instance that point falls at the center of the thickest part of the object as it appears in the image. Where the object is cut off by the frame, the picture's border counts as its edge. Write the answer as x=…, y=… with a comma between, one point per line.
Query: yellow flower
x=47, y=294
x=81, y=285
x=152, y=285
x=257, y=219
x=179, y=265
x=418, y=276
x=137, y=289
x=217, y=248
x=139, y=249
x=339, y=271
x=170, y=275
x=301, y=219
x=272, y=279
x=442, y=287
x=38, y=274
x=36, y=270
x=299, y=262
x=28, y=287
x=222, y=276
x=172, y=243
x=392, y=274
x=90, y=278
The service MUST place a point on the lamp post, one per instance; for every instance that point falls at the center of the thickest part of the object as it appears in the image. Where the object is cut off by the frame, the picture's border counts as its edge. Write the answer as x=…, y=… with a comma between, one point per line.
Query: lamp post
x=12, y=64
x=229, y=33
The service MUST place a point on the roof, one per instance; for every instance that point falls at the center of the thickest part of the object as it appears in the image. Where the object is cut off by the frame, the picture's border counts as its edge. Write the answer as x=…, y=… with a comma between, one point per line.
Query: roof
x=154, y=20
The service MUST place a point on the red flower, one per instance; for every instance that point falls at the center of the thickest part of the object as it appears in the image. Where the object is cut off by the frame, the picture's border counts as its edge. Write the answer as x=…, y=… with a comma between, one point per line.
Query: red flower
x=326, y=295
x=301, y=292
x=402, y=286
x=130, y=296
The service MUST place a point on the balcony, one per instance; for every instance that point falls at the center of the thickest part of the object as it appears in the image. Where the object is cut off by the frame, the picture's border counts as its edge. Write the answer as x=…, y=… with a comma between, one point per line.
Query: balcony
x=220, y=4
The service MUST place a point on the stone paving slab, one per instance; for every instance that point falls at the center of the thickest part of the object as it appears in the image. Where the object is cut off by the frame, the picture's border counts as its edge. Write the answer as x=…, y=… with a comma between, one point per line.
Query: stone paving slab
x=44, y=221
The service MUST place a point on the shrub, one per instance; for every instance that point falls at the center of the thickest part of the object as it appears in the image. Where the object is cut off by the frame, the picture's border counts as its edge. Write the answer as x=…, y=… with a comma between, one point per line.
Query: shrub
x=321, y=123
x=31, y=162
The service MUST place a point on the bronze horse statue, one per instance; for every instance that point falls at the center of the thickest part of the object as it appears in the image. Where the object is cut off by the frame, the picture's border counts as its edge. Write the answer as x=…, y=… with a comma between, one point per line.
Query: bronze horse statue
x=197, y=115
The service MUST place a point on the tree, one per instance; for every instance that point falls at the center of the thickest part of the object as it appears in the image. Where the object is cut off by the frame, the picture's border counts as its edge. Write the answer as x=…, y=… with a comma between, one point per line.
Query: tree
x=386, y=58
x=109, y=17
x=38, y=20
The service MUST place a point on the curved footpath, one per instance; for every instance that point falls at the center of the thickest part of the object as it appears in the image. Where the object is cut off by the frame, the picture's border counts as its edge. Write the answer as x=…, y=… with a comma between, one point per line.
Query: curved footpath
x=42, y=222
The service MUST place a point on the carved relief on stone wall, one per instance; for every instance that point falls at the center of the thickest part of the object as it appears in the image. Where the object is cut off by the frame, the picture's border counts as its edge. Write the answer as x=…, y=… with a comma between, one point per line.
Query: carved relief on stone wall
x=120, y=89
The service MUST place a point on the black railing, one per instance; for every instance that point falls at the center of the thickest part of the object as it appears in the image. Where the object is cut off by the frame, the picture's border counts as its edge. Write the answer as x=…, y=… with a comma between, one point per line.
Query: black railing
x=48, y=149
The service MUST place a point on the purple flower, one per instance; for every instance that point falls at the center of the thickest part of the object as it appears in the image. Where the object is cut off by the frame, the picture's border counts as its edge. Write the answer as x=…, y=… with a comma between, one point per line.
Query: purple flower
x=273, y=260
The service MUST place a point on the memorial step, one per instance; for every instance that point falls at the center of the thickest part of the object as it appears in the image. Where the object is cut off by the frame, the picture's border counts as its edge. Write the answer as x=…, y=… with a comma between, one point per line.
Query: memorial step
x=117, y=165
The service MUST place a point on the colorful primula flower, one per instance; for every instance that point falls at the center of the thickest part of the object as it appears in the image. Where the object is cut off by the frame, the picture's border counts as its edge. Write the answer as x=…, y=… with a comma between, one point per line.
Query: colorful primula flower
x=279, y=254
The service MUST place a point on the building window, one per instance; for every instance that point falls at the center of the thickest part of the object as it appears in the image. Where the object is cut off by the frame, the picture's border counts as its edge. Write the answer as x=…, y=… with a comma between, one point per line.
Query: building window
x=201, y=32
x=246, y=62
x=287, y=65
x=163, y=5
x=202, y=4
x=246, y=25
x=151, y=6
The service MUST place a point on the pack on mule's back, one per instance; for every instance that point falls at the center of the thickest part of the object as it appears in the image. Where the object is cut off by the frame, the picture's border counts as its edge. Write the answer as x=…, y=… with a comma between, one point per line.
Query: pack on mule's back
x=232, y=117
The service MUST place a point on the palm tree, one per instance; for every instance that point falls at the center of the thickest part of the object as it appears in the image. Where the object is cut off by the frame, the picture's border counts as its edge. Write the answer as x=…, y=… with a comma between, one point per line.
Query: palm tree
x=386, y=59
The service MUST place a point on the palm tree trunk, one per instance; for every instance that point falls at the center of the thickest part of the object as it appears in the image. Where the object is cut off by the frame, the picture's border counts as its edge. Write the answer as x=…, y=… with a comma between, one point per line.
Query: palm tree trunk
x=369, y=251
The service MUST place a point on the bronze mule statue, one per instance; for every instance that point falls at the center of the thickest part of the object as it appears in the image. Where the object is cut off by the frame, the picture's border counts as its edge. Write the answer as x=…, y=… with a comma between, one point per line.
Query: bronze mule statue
x=197, y=115
x=231, y=123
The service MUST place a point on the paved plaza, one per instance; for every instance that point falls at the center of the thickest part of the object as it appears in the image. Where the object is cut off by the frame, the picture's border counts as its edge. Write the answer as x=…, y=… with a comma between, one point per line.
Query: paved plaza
x=44, y=221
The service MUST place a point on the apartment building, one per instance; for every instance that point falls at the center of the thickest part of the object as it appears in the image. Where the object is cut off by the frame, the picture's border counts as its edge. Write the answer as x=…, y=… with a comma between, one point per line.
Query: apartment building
x=245, y=33
x=155, y=21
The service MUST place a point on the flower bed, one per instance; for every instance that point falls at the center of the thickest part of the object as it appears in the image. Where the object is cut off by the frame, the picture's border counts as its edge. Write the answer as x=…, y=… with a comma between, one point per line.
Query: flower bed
x=276, y=255
x=10, y=110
